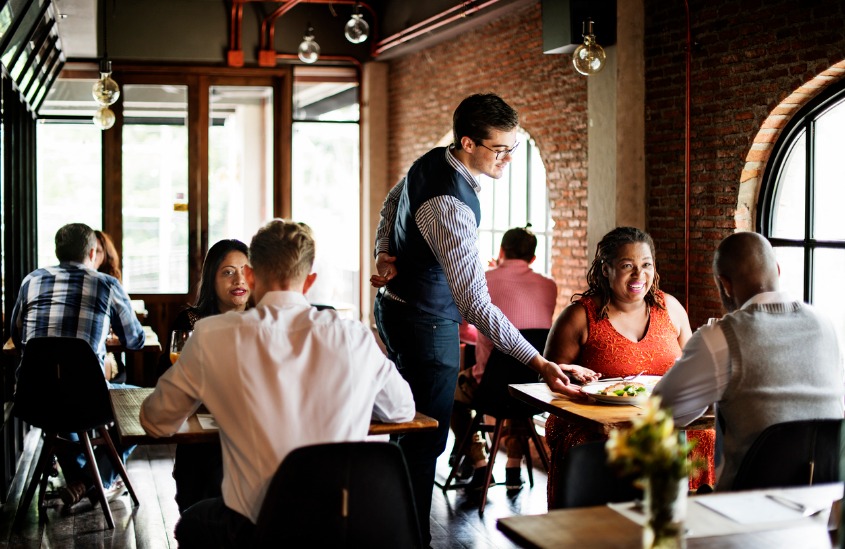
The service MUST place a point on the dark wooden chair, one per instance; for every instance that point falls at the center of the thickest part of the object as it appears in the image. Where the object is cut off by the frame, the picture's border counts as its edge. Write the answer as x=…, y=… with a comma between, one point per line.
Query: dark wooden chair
x=61, y=389
x=794, y=453
x=493, y=399
x=590, y=481
x=340, y=495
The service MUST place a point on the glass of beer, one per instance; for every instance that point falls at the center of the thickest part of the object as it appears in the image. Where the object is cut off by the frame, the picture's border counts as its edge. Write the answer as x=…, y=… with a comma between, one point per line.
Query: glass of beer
x=177, y=342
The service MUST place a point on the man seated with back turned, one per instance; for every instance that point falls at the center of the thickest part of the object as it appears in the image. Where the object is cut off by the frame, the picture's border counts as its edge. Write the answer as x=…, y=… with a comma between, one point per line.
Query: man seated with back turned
x=528, y=300
x=769, y=360
x=73, y=299
x=276, y=377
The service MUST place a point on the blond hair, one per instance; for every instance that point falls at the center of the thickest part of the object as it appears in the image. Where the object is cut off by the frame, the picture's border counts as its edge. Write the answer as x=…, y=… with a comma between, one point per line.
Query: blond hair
x=282, y=251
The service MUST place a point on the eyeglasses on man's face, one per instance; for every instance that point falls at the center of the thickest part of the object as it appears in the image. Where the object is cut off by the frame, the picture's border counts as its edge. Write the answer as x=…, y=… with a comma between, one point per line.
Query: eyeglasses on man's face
x=501, y=152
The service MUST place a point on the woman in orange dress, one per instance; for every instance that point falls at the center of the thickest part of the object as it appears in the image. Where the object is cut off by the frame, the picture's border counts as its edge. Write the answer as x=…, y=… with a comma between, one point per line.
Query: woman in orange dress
x=621, y=325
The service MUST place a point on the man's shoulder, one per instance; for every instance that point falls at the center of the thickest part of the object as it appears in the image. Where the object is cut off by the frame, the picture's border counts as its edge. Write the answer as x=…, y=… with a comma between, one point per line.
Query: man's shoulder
x=529, y=276
x=42, y=272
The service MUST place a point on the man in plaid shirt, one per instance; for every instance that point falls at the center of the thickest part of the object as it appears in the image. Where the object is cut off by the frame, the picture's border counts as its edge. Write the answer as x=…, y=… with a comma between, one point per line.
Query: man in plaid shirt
x=72, y=299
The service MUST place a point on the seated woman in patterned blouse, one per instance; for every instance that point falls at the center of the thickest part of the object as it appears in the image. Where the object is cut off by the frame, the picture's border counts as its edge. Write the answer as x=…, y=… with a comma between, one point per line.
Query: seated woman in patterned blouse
x=621, y=325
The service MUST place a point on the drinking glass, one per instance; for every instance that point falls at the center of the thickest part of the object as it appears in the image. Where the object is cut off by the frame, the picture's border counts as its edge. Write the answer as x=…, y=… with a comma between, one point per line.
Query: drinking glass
x=177, y=342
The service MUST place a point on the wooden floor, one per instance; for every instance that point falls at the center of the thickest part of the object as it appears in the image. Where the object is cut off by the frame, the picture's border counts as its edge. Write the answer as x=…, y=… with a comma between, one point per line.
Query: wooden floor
x=455, y=519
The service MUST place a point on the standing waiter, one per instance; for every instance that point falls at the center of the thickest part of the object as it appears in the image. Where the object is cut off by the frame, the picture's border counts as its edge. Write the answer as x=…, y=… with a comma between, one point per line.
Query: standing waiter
x=431, y=276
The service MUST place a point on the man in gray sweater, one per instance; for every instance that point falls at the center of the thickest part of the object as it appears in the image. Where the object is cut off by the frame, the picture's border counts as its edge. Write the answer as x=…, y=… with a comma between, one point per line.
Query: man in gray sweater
x=770, y=359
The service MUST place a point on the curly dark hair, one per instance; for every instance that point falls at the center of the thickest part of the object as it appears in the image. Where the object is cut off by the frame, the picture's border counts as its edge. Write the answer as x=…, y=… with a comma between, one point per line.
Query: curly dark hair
x=607, y=251
x=206, y=304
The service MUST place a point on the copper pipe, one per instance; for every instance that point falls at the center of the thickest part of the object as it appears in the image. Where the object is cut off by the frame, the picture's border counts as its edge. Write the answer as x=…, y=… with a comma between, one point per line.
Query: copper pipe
x=270, y=21
x=346, y=58
x=687, y=170
x=396, y=39
x=415, y=26
x=234, y=28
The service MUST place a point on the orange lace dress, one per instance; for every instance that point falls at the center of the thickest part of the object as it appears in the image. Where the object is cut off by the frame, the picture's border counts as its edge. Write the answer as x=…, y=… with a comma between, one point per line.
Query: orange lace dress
x=612, y=354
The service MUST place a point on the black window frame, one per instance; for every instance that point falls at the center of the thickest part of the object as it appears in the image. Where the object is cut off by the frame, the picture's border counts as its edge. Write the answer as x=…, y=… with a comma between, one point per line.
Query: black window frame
x=802, y=123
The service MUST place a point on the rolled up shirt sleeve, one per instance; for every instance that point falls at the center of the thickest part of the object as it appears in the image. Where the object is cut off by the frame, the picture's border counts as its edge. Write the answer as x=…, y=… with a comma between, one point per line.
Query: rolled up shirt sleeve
x=176, y=395
x=698, y=378
x=126, y=326
x=387, y=219
x=448, y=227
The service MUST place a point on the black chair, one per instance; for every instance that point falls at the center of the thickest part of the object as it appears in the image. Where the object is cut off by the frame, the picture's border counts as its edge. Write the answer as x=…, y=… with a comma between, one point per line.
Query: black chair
x=493, y=399
x=346, y=494
x=61, y=389
x=794, y=453
x=590, y=481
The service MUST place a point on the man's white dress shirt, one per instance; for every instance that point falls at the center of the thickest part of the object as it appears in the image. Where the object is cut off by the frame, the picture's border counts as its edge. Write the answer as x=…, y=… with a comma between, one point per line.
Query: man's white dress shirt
x=276, y=377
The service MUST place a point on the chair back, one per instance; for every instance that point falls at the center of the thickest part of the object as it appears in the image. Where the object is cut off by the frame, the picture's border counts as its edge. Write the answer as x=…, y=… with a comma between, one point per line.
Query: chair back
x=492, y=396
x=61, y=386
x=344, y=494
x=794, y=453
x=590, y=481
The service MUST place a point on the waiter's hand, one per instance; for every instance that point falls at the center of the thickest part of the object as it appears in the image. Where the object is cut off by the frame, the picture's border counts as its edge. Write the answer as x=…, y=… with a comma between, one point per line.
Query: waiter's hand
x=555, y=376
x=385, y=269
x=584, y=375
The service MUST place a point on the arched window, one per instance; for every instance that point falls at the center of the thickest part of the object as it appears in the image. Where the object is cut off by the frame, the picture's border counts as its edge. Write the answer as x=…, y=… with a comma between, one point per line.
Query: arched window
x=800, y=207
x=519, y=197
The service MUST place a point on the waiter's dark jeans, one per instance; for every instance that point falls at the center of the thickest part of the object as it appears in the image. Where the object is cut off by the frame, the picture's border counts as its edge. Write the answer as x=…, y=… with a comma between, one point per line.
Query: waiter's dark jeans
x=426, y=349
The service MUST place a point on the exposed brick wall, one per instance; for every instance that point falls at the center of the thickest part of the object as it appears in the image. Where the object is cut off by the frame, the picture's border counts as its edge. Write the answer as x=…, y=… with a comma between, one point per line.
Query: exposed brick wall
x=504, y=57
x=748, y=59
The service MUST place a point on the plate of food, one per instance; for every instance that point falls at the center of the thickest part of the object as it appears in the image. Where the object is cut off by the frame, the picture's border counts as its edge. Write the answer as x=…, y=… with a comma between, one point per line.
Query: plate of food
x=633, y=392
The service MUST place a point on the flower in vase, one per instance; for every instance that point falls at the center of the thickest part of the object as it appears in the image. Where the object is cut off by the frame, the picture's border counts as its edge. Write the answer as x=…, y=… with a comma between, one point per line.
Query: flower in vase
x=651, y=445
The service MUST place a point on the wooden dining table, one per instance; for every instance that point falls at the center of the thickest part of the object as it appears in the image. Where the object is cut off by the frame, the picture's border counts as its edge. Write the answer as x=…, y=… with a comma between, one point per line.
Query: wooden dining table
x=606, y=416
x=606, y=527
x=126, y=407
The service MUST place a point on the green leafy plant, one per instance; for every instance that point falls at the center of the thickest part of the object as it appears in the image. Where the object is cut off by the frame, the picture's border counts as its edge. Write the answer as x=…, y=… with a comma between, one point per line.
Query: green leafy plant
x=651, y=446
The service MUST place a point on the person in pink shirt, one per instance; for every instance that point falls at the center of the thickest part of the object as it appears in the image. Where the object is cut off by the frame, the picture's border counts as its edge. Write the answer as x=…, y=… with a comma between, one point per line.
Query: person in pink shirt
x=528, y=300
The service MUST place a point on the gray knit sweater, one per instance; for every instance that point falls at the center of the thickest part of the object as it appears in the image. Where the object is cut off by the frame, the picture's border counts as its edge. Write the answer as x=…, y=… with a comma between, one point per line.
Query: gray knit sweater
x=785, y=366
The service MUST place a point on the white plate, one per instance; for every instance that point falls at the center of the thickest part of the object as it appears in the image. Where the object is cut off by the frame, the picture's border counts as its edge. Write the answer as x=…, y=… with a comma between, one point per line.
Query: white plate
x=593, y=388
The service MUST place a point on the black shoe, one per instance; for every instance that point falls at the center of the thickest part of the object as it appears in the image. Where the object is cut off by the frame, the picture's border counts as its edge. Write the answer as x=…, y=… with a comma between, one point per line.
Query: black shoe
x=513, y=478
x=479, y=477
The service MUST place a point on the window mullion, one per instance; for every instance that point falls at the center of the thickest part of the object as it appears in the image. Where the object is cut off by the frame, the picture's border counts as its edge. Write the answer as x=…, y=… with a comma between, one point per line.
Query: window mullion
x=809, y=209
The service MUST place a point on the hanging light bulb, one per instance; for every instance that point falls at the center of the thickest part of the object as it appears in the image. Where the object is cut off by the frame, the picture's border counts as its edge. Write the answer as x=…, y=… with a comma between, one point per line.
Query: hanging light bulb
x=309, y=50
x=356, y=29
x=104, y=118
x=589, y=57
x=105, y=90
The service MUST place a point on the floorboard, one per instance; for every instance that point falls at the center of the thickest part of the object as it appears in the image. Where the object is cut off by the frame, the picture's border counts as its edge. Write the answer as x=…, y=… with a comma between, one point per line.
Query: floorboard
x=454, y=514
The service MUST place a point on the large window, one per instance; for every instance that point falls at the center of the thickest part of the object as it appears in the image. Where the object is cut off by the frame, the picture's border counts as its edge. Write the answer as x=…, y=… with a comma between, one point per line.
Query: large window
x=518, y=198
x=800, y=207
x=155, y=189
x=69, y=182
x=326, y=186
x=240, y=161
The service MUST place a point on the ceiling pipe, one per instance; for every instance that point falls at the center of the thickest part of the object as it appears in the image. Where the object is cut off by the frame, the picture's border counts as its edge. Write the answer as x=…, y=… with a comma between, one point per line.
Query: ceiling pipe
x=344, y=58
x=267, y=54
x=430, y=24
x=235, y=55
x=267, y=37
